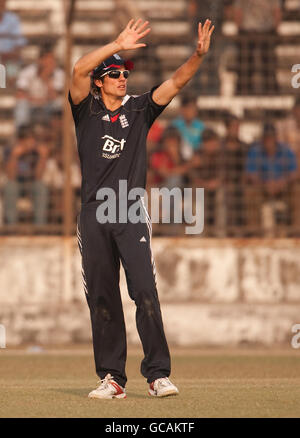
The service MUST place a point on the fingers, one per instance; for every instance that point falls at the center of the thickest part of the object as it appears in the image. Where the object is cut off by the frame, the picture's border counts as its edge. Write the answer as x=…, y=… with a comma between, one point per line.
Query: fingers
x=205, y=29
x=130, y=24
x=143, y=26
x=136, y=24
x=206, y=25
x=141, y=35
x=200, y=29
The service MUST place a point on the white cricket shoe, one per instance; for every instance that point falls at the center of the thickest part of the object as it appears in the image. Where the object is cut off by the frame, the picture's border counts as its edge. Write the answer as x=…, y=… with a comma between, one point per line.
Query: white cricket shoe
x=162, y=388
x=108, y=388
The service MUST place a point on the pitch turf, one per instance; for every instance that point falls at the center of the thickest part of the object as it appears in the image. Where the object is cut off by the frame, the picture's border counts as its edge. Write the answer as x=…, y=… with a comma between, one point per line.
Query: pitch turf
x=212, y=383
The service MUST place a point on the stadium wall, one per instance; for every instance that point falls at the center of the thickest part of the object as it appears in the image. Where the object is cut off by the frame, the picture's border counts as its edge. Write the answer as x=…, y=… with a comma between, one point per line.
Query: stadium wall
x=212, y=292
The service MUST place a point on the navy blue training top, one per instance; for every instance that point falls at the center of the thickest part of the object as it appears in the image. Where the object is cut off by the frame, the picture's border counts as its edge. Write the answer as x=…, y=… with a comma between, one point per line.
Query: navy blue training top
x=112, y=146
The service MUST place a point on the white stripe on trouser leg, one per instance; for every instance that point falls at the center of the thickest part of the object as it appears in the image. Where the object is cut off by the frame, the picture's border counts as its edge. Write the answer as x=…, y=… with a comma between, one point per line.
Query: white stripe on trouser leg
x=79, y=239
x=149, y=226
x=82, y=270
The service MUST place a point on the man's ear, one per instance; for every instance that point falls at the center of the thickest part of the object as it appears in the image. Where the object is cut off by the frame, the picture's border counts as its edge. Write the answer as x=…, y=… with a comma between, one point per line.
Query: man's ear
x=98, y=82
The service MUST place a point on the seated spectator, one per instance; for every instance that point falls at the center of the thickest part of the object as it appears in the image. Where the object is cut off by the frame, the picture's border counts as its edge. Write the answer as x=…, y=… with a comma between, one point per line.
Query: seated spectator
x=54, y=175
x=168, y=169
x=208, y=173
x=154, y=136
x=168, y=162
x=271, y=169
x=289, y=130
x=39, y=87
x=234, y=156
x=189, y=126
x=24, y=168
x=11, y=40
x=54, y=179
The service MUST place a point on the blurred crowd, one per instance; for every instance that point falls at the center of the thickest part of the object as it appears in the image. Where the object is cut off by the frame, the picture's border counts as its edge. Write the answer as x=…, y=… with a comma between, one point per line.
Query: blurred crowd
x=250, y=189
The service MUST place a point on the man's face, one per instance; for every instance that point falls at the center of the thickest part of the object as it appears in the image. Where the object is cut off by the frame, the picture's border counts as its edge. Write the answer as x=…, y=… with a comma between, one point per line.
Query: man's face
x=113, y=87
x=269, y=142
x=28, y=144
x=233, y=128
x=189, y=112
x=211, y=146
x=171, y=145
x=47, y=61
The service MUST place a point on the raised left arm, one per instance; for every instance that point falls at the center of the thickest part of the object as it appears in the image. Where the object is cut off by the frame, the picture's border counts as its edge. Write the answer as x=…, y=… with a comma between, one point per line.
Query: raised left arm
x=171, y=87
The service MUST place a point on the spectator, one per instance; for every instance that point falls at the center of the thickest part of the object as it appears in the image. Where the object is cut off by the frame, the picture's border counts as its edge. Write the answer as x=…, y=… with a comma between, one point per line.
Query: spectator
x=153, y=146
x=154, y=136
x=11, y=40
x=257, y=21
x=234, y=153
x=271, y=169
x=189, y=127
x=208, y=173
x=54, y=174
x=168, y=162
x=54, y=179
x=24, y=168
x=39, y=86
x=289, y=130
x=168, y=169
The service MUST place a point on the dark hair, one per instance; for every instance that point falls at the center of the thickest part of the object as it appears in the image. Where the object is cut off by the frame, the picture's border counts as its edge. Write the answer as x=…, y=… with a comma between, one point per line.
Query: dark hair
x=188, y=99
x=269, y=129
x=45, y=49
x=229, y=118
x=209, y=134
x=171, y=132
x=95, y=90
x=24, y=131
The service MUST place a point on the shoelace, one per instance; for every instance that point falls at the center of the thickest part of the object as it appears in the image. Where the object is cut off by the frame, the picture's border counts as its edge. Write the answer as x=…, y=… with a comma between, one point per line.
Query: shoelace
x=163, y=381
x=105, y=382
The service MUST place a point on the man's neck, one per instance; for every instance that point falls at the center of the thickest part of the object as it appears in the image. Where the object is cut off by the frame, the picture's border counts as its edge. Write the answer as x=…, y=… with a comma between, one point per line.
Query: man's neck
x=112, y=103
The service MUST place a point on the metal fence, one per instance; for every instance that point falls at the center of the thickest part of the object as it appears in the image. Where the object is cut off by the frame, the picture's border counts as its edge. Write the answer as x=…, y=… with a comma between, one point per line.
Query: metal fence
x=43, y=205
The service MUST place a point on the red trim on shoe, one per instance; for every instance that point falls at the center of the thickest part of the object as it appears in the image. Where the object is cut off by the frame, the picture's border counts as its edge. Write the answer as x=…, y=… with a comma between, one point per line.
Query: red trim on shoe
x=152, y=386
x=117, y=387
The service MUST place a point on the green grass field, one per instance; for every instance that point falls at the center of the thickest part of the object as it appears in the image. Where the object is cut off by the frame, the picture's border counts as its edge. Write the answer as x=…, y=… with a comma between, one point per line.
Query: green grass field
x=212, y=383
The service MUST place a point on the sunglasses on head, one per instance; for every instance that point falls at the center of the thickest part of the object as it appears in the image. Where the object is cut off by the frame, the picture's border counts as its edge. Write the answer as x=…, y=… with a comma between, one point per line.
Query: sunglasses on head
x=115, y=74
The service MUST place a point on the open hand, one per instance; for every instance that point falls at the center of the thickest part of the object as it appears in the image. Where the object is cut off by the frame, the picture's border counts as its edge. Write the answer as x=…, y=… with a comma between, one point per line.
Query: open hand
x=204, y=34
x=133, y=32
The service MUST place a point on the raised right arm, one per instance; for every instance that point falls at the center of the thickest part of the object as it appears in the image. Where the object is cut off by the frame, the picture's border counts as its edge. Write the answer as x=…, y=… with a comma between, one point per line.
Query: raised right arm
x=127, y=40
x=80, y=82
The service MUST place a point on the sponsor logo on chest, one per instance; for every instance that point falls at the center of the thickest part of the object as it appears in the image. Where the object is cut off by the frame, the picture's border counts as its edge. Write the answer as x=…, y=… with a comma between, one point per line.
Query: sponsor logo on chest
x=112, y=148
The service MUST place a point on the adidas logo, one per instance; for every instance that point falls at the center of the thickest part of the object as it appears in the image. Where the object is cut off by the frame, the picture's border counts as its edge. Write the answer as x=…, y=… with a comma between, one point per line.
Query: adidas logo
x=106, y=118
x=143, y=239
